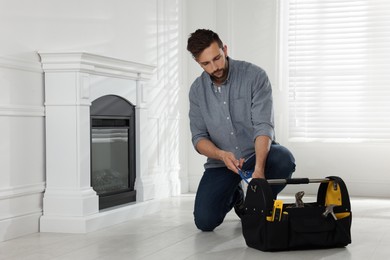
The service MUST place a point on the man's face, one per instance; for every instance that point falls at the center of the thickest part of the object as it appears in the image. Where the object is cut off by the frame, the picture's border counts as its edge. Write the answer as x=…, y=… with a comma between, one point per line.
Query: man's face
x=213, y=61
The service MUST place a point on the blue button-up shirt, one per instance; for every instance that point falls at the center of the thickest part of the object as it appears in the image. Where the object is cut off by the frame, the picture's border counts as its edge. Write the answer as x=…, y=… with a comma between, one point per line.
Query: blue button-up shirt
x=233, y=114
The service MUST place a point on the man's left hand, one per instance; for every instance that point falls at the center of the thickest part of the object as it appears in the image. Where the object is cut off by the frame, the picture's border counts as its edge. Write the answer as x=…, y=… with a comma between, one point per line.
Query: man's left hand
x=258, y=173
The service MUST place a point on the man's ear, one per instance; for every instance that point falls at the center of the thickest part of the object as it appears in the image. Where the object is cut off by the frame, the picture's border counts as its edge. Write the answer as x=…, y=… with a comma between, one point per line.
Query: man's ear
x=225, y=50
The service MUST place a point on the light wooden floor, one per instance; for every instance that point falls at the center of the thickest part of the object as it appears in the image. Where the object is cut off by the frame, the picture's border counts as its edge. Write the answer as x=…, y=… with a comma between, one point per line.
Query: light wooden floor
x=171, y=234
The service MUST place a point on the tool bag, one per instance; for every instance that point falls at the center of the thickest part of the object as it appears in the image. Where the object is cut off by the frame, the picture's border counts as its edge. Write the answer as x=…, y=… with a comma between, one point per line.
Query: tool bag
x=271, y=226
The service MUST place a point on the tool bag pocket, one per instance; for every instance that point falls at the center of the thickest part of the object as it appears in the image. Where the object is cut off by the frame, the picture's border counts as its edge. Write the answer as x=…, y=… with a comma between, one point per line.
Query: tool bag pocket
x=264, y=235
x=308, y=228
x=298, y=227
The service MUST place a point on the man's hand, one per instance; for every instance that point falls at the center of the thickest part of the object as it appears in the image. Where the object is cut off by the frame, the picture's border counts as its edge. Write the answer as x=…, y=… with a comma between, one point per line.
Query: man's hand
x=208, y=148
x=258, y=173
x=230, y=160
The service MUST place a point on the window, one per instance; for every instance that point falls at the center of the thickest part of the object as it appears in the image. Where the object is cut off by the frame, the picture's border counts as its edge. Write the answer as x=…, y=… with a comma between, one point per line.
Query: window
x=338, y=55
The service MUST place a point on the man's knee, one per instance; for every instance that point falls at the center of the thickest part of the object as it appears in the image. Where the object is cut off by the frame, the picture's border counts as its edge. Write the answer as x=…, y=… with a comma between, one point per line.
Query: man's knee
x=206, y=222
x=281, y=165
x=286, y=168
x=282, y=161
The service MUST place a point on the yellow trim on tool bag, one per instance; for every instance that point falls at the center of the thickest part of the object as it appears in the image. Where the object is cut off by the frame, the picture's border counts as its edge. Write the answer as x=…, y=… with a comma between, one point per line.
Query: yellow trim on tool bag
x=333, y=194
x=342, y=215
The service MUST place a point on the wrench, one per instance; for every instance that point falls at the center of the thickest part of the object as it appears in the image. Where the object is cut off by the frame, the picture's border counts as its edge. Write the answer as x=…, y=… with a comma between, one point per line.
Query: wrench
x=329, y=210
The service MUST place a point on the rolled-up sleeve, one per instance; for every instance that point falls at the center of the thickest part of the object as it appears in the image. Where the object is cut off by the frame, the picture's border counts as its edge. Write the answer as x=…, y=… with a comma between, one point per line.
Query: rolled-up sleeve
x=197, y=124
x=262, y=107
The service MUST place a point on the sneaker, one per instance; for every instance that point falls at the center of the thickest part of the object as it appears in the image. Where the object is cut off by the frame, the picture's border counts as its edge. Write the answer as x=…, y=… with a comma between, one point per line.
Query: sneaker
x=239, y=206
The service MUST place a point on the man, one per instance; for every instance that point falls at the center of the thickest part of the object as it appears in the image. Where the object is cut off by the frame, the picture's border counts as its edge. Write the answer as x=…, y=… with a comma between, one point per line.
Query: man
x=231, y=118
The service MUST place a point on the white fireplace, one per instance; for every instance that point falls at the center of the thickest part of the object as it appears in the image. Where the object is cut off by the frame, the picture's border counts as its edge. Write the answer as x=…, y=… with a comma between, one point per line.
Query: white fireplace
x=72, y=81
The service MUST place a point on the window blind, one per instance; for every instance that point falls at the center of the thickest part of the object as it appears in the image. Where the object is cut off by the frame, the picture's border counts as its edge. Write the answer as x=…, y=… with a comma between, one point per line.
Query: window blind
x=339, y=69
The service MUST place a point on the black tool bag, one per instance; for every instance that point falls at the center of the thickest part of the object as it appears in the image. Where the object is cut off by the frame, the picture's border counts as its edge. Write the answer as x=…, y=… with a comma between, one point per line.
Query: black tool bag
x=308, y=227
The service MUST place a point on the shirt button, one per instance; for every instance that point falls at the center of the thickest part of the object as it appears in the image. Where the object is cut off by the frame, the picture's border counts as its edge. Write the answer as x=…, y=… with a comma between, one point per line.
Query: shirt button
x=228, y=118
x=236, y=148
x=231, y=133
x=224, y=102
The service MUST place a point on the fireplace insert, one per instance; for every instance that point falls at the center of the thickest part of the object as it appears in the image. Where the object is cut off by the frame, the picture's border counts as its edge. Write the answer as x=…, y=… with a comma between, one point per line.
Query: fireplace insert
x=113, y=150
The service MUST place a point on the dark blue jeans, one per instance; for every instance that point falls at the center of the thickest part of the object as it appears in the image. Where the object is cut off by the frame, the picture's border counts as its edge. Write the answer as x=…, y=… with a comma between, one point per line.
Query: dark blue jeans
x=217, y=191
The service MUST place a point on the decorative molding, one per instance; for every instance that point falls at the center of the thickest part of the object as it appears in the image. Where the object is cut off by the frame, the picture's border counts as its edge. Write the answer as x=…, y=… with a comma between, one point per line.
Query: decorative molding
x=19, y=64
x=95, y=64
x=17, y=110
x=29, y=212
x=63, y=104
x=21, y=190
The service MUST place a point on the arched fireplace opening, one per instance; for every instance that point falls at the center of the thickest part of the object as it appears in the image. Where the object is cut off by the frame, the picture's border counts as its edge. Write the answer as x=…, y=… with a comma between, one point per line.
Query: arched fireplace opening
x=113, y=166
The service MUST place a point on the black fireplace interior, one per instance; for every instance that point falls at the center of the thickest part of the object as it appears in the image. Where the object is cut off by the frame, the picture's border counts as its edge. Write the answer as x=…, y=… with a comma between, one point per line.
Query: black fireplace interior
x=113, y=150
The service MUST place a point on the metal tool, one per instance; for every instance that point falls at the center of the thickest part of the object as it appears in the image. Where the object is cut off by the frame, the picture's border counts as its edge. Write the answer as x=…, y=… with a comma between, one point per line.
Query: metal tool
x=298, y=199
x=329, y=210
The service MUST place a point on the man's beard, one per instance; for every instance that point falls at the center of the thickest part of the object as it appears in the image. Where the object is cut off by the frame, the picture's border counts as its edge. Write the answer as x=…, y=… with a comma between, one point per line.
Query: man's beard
x=220, y=75
x=220, y=72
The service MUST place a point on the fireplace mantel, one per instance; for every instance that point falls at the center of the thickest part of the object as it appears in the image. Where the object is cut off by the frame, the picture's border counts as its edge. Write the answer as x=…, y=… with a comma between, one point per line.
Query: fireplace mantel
x=95, y=64
x=72, y=81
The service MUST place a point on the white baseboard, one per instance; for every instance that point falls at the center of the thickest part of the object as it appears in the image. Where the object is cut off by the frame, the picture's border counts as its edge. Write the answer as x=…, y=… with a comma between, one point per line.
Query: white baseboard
x=23, y=217
x=19, y=226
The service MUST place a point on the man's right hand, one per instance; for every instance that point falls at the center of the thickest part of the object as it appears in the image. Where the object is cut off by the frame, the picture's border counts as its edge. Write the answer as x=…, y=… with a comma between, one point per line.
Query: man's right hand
x=230, y=161
x=208, y=148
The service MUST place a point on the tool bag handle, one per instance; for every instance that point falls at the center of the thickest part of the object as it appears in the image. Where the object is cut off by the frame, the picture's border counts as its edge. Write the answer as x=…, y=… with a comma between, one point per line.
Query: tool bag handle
x=296, y=181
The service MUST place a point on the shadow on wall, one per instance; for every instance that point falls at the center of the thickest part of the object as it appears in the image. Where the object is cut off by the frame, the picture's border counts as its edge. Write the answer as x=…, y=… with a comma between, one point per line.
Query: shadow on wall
x=167, y=110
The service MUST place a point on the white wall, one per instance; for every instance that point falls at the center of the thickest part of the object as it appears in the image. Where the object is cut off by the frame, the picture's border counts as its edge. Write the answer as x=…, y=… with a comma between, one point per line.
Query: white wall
x=250, y=28
x=145, y=31
x=194, y=10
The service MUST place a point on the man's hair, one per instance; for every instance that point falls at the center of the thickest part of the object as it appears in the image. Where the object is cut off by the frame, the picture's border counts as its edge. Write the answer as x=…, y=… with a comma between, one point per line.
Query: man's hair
x=200, y=40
